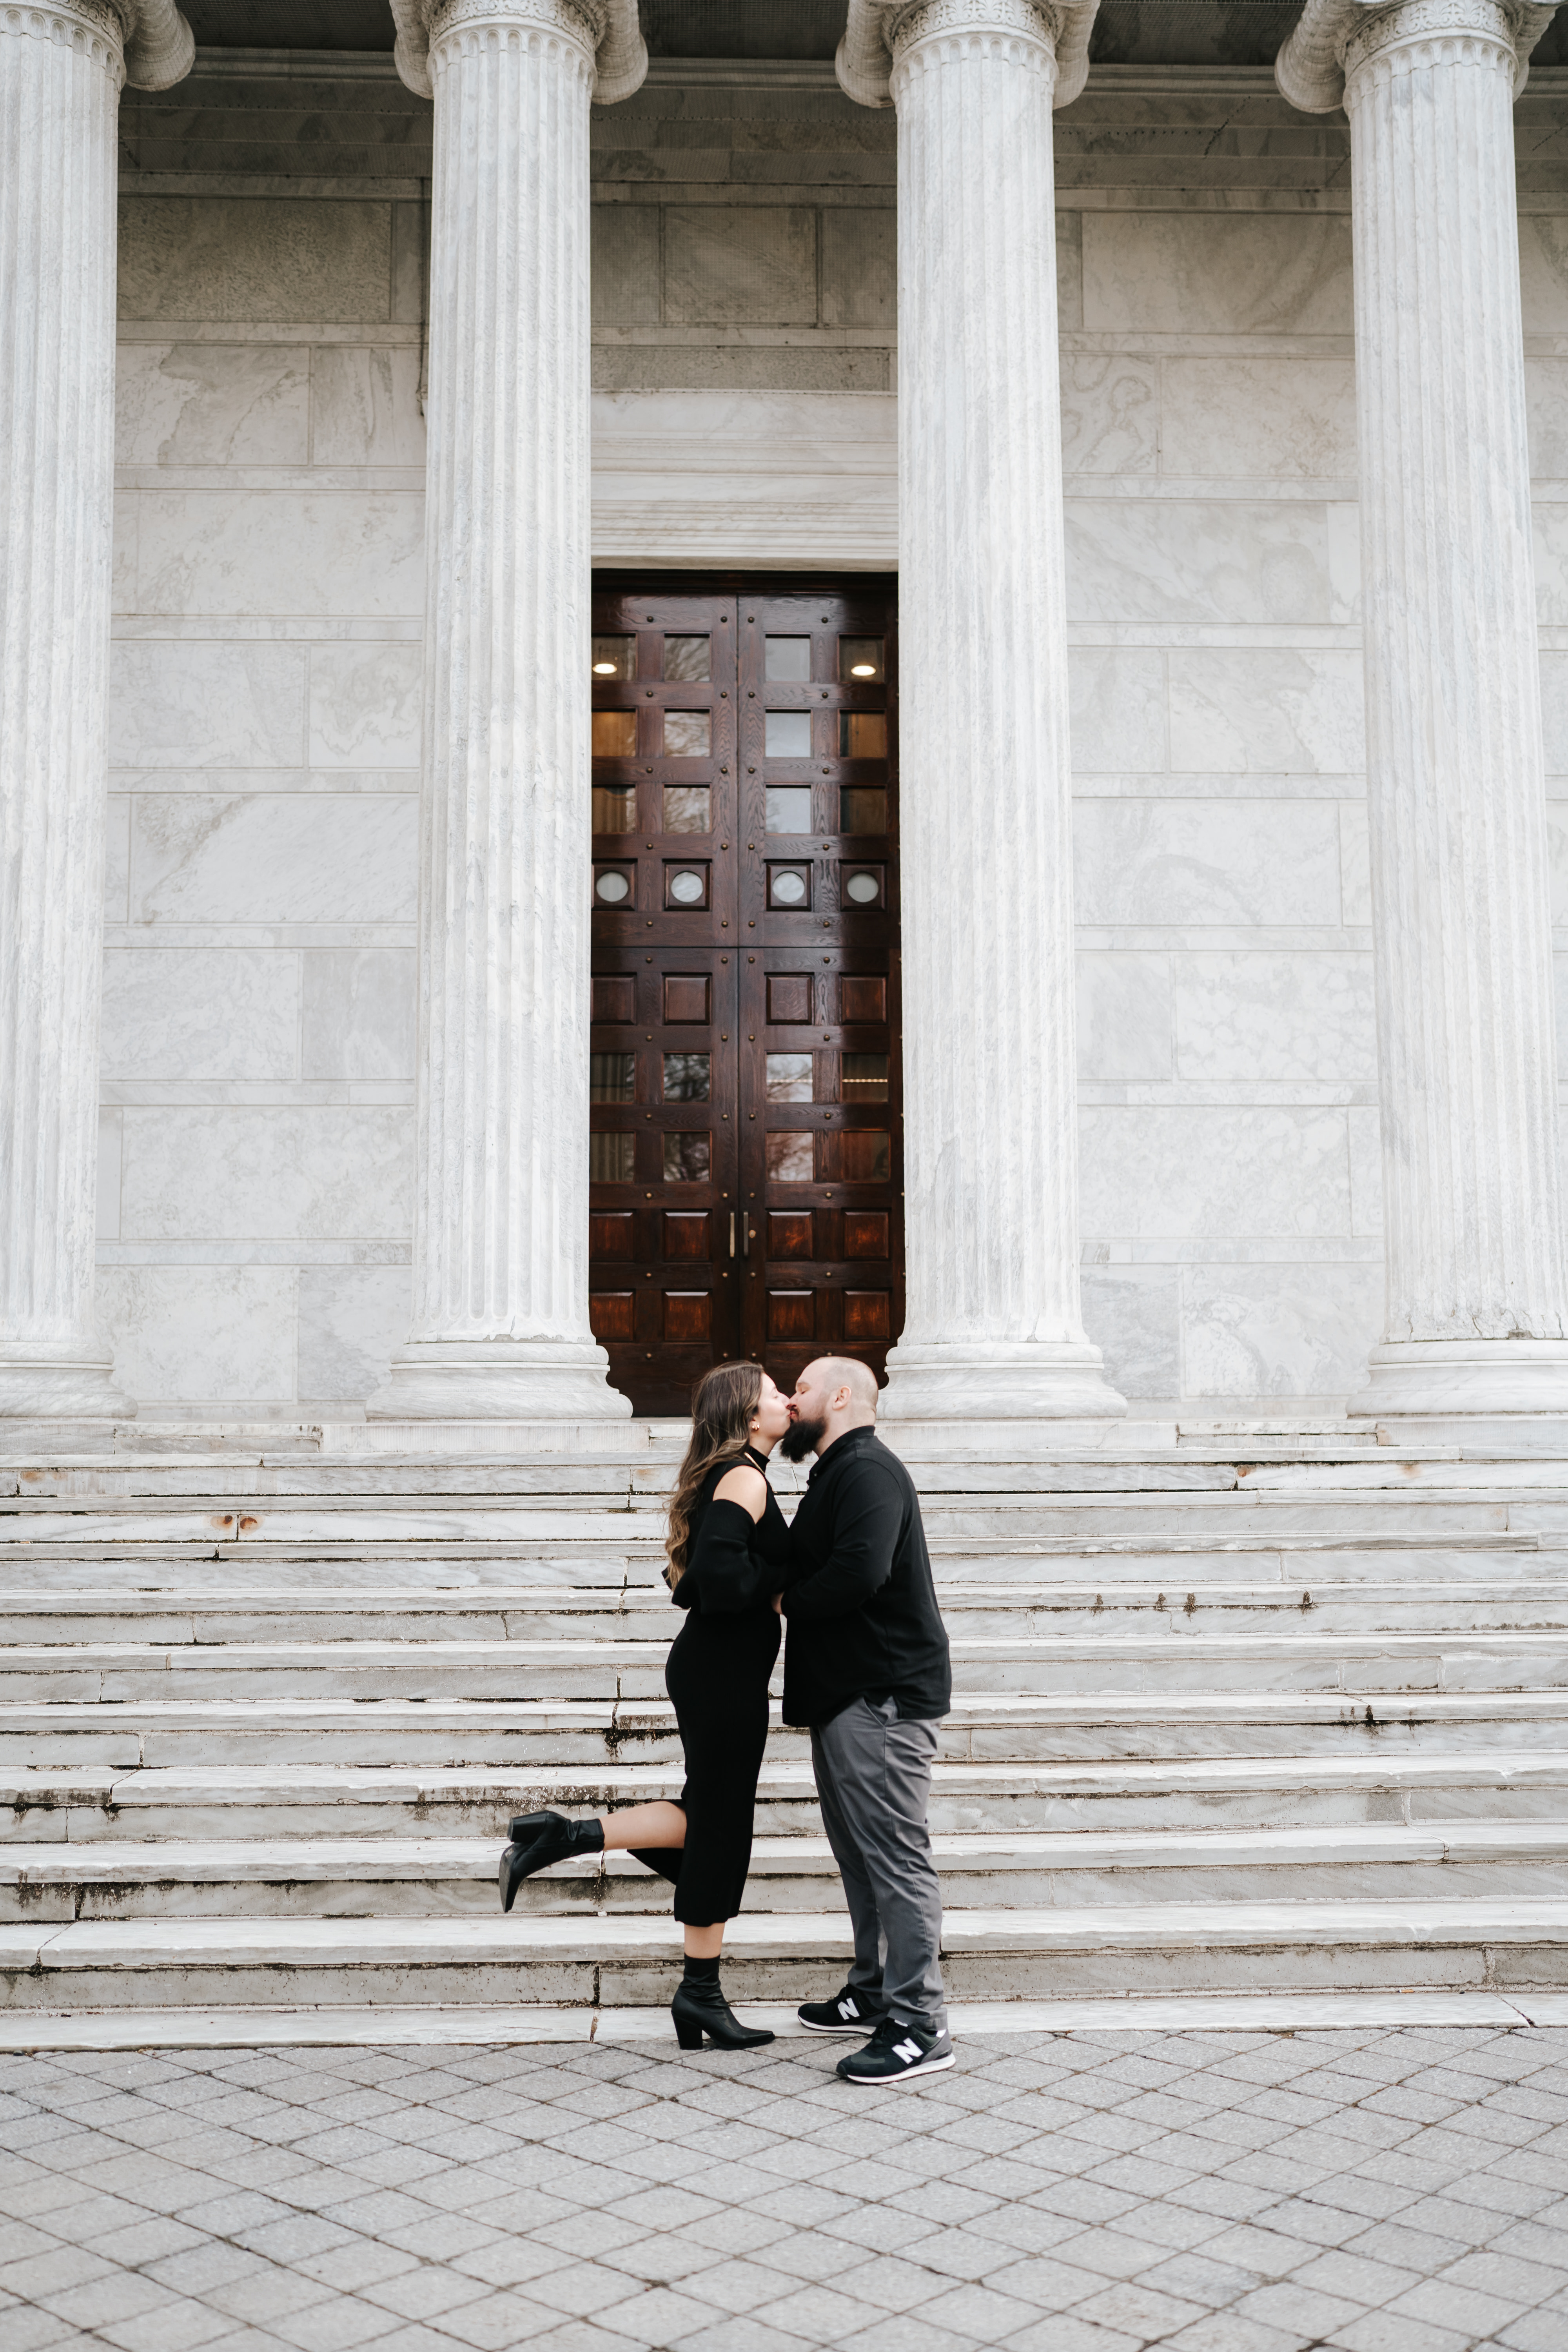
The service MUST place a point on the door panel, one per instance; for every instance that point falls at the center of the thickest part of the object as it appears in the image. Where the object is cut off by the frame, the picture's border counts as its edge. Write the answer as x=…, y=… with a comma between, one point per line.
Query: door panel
x=746, y=1158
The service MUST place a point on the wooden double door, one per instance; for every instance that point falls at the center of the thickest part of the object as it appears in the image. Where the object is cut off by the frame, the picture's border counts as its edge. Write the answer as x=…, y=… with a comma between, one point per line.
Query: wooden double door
x=746, y=1164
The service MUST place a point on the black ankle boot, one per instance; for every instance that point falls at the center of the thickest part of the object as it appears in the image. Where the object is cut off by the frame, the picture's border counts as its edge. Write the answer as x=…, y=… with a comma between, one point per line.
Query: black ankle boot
x=537, y=1840
x=699, y=2008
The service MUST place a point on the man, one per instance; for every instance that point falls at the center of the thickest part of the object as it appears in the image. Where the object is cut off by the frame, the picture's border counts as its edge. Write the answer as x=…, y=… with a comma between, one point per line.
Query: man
x=866, y=1667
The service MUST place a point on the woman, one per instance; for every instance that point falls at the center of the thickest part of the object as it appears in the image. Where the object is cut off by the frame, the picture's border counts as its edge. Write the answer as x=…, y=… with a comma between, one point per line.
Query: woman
x=727, y=1547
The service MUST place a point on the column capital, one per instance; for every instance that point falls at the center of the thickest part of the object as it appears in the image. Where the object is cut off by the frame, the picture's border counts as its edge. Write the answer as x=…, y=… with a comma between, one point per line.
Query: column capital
x=147, y=43
x=1333, y=37
x=607, y=31
x=878, y=32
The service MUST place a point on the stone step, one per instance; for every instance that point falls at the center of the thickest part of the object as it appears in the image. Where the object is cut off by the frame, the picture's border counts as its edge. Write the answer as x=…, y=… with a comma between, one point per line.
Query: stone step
x=1310, y=1727
x=629, y=1961
x=431, y=1878
x=572, y=1524
x=572, y=1668
x=228, y=1803
x=443, y=1576
x=617, y=1613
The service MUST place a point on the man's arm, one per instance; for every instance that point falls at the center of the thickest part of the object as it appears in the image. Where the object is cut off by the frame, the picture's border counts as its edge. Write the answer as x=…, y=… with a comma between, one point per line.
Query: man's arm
x=861, y=1559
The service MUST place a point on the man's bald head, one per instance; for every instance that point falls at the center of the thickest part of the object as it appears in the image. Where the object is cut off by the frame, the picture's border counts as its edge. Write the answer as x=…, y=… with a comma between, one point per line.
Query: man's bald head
x=836, y=1372
x=834, y=1393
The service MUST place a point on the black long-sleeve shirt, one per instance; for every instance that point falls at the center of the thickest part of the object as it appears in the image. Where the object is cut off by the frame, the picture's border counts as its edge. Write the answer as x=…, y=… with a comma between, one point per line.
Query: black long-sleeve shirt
x=860, y=1603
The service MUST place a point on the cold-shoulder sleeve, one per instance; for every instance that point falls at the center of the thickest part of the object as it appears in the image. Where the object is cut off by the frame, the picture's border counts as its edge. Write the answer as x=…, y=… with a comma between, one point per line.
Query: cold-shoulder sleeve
x=724, y=1570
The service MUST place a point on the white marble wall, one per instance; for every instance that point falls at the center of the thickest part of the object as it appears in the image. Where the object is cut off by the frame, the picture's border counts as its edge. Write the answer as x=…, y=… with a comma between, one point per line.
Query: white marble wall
x=259, y=986
x=258, y=1031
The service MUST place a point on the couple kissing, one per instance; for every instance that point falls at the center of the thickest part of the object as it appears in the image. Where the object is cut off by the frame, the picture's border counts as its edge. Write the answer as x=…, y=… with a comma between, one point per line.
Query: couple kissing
x=866, y=1670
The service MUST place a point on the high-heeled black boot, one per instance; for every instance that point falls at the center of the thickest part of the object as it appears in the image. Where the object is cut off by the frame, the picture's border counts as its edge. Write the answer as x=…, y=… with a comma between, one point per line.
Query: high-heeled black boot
x=538, y=1840
x=699, y=2008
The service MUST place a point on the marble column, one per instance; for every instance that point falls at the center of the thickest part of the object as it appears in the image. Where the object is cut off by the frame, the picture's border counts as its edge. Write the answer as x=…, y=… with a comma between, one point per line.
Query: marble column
x=993, y=1328
x=61, y=66
x=1477, y=1301
x=501, y=1272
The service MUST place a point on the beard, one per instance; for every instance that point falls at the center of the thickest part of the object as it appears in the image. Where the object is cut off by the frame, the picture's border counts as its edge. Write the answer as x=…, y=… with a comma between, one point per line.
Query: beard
x=801, y=1438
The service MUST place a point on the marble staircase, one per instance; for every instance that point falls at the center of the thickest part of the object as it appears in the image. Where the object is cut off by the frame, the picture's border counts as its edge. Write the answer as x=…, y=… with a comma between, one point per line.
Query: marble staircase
x=1294, y=1723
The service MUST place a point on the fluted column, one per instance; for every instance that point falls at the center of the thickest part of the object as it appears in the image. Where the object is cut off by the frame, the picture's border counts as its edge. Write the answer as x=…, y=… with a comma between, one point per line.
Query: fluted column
x=501, y=1272
x=1477, y=1303
x=61, y=66
x=994, y=1328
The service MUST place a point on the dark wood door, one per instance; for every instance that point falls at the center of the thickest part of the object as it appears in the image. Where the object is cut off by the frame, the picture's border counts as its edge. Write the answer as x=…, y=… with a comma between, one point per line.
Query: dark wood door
x=745, y=1156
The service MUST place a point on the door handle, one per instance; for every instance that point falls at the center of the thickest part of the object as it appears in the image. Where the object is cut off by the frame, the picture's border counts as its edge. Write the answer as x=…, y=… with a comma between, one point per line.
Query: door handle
x=731, y=1232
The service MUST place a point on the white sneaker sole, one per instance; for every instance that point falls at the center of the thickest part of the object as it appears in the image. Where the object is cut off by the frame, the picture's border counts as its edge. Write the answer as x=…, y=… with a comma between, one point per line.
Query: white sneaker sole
x=858, y=2027
x=910, y=2075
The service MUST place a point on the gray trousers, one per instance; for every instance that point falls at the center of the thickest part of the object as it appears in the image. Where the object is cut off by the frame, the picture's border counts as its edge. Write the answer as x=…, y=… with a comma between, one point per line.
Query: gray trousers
x=873, y=1782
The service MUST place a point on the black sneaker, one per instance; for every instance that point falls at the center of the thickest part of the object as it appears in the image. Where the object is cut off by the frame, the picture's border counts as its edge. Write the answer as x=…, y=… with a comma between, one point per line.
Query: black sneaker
x=850, y=2011
x=896, y=2054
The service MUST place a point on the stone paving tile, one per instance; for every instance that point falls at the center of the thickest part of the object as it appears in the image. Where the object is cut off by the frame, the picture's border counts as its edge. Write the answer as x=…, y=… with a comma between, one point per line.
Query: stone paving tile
x=1377, y=2190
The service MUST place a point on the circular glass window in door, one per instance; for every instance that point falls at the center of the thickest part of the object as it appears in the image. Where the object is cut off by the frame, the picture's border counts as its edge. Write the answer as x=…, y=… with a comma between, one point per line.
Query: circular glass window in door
x=614, y=884
x=686, y=888
x=789, y=887
x=863, y=886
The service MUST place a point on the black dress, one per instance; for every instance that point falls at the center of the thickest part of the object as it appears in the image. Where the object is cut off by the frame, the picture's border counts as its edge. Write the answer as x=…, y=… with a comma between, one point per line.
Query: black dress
x=717, y=1674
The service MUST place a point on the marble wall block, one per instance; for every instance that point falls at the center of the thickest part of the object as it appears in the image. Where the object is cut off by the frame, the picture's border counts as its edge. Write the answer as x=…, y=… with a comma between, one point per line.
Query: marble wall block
x=1560, y=1003
x=1356, y=863
x=1546, y=404
x=733, y=265
x=1551, y=521
x=239, y=1173
x=1212, y=1170
x=254, y=258
x=122, y=554
x=1364, y=1123
x=350, y=1319
x=189, y=1013
x=1273, y=708
x=212, y=405
x=1292, y=418
x=1117, y=704
x=365, y=706
x=1069, y=270
x=1278, y=1330
x=410, y=262
x=1557, y=858
x=624, y=270
x=1276, y=1017
x=1133, y=1314
x=1544, y=272
x=206, y=706
x=262, y=857
x=116, y=858
x=358, y=1013
x=1196, y=560
x=1110, y=415
x=195, y=1334
x=1188, y=273
x=1179, y=861
x=243, y=552
x=364, y=405
x=1124, y=1020
x=859, y=265
x=110, y=1126
x=1554, y=712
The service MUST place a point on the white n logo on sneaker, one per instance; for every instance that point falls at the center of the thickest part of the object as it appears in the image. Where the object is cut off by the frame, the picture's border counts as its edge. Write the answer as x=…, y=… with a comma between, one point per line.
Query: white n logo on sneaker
x=907, y=2050
x=848, y=2009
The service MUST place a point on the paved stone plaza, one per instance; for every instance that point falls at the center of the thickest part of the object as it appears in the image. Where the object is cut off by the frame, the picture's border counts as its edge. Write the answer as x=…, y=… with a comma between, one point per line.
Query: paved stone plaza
x=1377, y=2191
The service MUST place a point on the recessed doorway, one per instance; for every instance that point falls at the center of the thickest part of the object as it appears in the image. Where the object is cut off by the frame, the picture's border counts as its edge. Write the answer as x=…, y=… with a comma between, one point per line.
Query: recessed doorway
x=746, y=1180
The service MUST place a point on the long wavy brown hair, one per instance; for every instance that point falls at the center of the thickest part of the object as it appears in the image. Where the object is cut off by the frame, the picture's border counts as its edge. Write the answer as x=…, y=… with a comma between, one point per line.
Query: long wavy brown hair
x=723, y=1404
